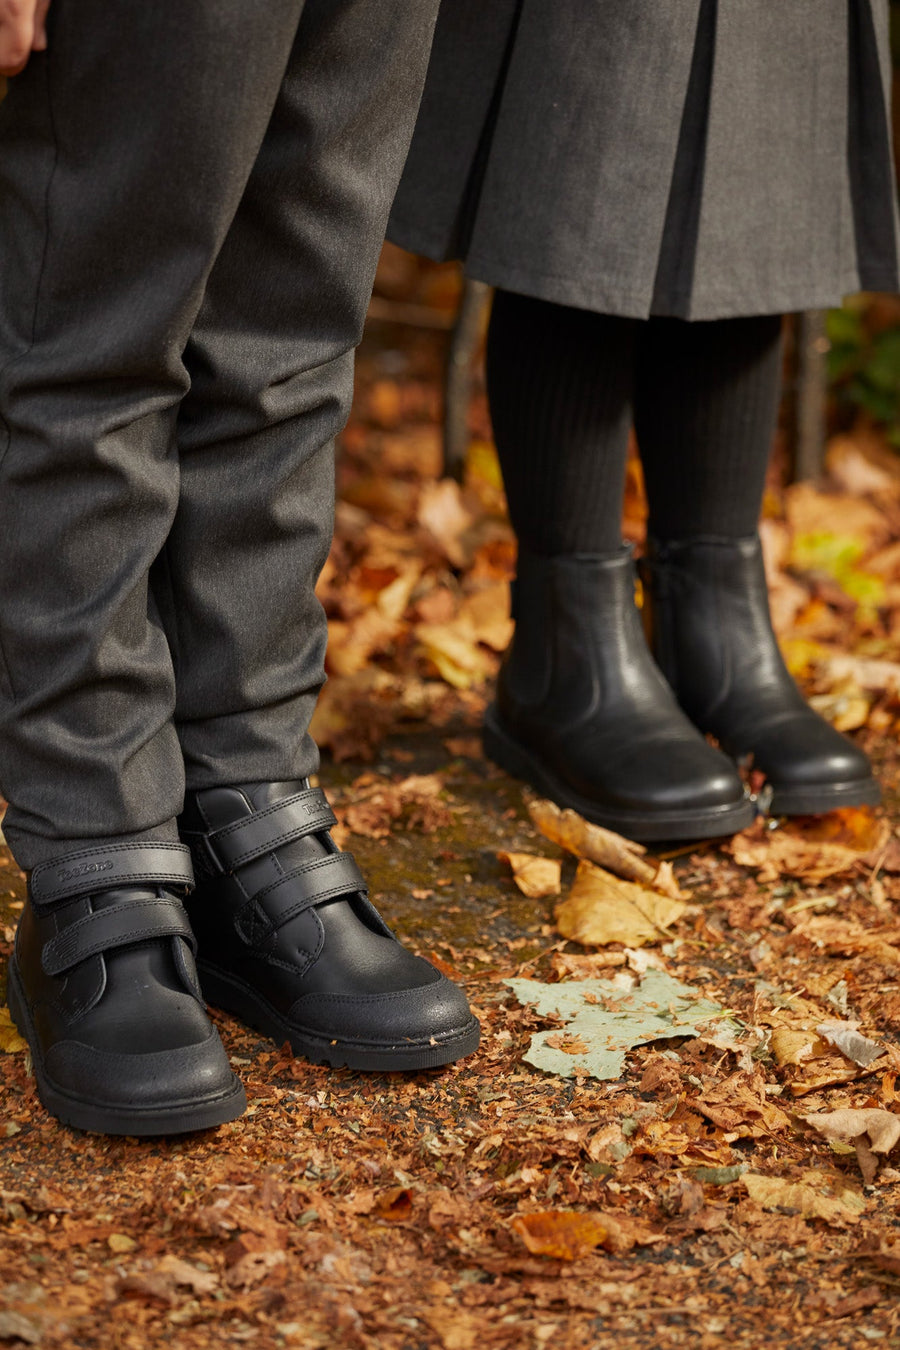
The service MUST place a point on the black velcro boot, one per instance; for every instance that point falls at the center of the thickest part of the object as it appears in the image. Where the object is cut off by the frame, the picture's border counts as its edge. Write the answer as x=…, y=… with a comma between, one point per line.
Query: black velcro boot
x=584, y=715
x=707, y=611
x=289, y=943
x=102, y=985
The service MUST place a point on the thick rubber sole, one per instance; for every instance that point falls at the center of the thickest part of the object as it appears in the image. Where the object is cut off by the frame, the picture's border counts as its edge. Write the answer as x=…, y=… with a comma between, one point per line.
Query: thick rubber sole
x=816, y=800
x=643, y=826
x=97, y=1118
x=245, y=1003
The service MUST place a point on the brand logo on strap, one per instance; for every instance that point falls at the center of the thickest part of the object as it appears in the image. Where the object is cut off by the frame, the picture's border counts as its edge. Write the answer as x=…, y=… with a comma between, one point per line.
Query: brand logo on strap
x=70, y=873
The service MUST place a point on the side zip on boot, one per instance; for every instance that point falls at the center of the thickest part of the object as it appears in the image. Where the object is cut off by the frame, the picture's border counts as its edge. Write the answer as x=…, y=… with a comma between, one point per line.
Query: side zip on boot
x=102, y=985
x=708, y=621
x=289, y=943
x=583, y=714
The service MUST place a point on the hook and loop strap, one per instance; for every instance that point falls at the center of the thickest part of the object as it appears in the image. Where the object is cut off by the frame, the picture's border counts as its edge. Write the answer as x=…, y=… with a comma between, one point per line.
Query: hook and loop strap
x=294, y=817
x=119, y=925
x=106, y=867
x=300, y=889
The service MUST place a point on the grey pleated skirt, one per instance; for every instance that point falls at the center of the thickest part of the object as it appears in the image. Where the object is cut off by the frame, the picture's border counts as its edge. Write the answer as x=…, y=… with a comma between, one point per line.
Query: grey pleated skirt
x=696, y=158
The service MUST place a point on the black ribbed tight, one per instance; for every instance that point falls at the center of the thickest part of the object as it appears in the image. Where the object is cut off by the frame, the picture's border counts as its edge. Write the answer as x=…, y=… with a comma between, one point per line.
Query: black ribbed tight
x=565, y=386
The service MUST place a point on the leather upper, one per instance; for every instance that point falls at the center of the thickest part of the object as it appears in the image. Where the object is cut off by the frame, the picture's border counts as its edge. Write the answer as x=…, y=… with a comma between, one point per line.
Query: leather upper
x=578, y=686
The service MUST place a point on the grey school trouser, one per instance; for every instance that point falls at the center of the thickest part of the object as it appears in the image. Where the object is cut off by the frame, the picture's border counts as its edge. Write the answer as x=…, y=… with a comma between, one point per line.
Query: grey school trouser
x=192, y=200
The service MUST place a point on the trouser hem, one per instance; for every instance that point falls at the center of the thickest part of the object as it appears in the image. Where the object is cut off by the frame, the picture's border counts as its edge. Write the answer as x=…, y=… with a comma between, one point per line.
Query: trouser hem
x=29, y=850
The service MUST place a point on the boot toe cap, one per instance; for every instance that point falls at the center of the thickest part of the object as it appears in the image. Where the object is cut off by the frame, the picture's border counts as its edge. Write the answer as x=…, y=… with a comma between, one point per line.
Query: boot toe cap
x=146, y=1087
x=809, y=753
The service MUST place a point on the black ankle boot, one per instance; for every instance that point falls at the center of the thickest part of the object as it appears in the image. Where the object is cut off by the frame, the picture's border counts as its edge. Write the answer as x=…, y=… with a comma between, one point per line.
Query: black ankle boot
x=583, y=714
x=707, y=609
x=290, y=944
x=103, y=987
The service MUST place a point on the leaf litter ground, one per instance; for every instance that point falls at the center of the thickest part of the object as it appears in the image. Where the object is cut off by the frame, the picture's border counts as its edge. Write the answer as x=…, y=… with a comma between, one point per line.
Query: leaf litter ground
x=734, y=1183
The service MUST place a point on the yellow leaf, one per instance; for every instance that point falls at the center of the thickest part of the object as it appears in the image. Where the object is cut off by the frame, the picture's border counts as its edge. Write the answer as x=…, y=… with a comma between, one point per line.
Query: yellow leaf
x=817, y=1195
x=601, y=909
x=534, y=876
x=11, y=1043
x=455, y=652
x=121, y=1243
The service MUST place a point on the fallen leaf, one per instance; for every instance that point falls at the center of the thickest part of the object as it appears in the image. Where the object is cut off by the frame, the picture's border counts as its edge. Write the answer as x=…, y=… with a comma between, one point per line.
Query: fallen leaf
x=610, y=1019
x=184, y=1273
x=601, y=909
x=869, y=672
x=487, y=611
x=15, y=1327
x=444, y=515
x=812, y=849
x=561, y=1234
x=457, y=1330
x=395, y=1205
x=534, y=876
x=846, y=1038
x=11, y=1043
x=605, y=848
x=869, y=1129
x=568, y=1043
x=121, y=1243
x=817, y=1195
x=793, y=1045
x=454, y=651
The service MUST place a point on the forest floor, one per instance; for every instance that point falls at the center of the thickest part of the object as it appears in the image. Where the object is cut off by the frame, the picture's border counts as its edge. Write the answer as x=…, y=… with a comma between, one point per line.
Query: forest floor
x=712, y=1188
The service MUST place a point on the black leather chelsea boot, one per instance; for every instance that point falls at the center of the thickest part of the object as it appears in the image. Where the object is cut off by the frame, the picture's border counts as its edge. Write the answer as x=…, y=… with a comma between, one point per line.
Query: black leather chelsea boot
x=584, y=716
x=289, y=943
x=102, y=985
x=707, y=611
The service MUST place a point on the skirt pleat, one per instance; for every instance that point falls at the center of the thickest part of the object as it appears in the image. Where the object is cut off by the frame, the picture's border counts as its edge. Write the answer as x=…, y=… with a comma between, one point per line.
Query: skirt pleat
x=696, y=158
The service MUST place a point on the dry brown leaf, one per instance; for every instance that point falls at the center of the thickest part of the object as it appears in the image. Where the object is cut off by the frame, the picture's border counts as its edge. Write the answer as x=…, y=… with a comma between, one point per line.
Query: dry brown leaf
x=534, y=876
x=455, y=652
x=861, y=465
x=739, y=1106
x=813, y=849
x=843, y=937
x=445, y=516
x=793, y=1045
x=603, y=847
x=818, y=1194
x=572, y=966
x=395, y=1205
x=394, y=597
x=870, y=1130
x=560, y=1233
x=456, y=1329
x=601, y=909
x=352, y=645
x=812, y=512
x=487, y=610
x=568, y=1042
x=868, y=672
x=846, y=1037
x=191, y=1276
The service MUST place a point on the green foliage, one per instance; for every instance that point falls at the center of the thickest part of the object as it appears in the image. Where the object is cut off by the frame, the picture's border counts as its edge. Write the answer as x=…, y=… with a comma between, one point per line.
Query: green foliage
x=864, y=367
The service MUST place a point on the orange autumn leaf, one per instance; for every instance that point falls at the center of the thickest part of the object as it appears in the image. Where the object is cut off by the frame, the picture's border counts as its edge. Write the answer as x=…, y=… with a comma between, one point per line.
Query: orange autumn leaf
x=559, y=1233
x=395, y=1205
